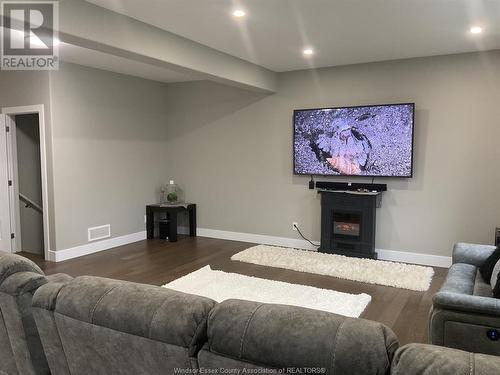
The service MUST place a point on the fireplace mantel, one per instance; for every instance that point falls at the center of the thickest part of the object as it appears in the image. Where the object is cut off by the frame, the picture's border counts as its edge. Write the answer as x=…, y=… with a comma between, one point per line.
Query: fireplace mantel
x=348, y=222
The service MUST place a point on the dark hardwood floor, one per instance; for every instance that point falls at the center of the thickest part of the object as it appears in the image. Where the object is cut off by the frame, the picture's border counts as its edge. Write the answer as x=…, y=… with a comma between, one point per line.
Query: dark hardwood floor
x=158, y=262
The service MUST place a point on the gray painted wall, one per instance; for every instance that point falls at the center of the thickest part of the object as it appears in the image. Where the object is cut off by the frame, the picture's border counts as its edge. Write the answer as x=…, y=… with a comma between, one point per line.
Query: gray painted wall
x=117, y=138
x=233, y=150
x=109, y=138
x=30, y=182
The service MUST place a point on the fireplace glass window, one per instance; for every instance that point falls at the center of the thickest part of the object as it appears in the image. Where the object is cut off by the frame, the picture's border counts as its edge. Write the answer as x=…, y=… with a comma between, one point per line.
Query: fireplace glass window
x=347, y=225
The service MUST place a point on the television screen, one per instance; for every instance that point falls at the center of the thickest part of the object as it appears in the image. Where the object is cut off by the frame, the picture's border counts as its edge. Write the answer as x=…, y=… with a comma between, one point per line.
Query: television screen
x=374, y=141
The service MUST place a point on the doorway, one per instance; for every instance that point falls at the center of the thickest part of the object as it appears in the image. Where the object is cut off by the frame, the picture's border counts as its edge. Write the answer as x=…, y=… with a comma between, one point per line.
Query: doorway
x=23, y=181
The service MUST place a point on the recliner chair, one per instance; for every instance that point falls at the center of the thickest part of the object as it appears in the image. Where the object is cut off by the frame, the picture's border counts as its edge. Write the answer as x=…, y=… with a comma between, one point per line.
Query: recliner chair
x=21, y=352
x=464, y=314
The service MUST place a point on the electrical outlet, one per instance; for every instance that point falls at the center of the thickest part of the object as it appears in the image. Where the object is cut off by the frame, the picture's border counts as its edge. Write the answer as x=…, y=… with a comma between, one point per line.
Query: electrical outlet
x=295, y=225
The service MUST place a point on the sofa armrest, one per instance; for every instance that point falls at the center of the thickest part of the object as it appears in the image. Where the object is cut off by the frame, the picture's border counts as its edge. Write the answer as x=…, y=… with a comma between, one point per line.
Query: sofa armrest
x=46, y=296
x=413, y=359
x=22, y=282
x=59, y=278
x=44, y=303
x=12, y=263
x=471, y=253
x=467, y=303
x=25, y=282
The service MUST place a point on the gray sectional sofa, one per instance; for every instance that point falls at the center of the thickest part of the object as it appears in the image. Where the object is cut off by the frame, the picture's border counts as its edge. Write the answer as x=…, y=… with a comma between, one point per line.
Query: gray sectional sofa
x=99, y=324
x=91, y=325
x=464, y=313
x=21, y=351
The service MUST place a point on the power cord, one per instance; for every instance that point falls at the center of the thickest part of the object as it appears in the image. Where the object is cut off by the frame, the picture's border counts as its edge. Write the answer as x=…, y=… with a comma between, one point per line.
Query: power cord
x=311, y=183
x=301, y=235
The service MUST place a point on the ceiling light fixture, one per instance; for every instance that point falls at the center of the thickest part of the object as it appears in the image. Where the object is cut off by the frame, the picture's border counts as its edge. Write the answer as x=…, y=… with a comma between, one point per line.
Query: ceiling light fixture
x=308, y=52
x=476, y=30
x=239, y=13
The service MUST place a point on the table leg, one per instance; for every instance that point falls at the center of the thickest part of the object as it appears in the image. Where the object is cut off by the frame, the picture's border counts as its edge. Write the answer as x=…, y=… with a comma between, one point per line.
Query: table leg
x=172, y=226
x=192, y=222
x=150, y=223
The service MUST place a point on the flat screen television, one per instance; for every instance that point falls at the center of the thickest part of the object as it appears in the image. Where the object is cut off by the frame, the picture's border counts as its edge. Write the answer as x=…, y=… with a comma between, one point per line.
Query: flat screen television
x=371, y=141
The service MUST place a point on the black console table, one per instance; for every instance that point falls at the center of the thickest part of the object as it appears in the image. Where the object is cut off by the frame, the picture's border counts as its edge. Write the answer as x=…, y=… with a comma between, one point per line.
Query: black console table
x=171, y=211
x=348, y=221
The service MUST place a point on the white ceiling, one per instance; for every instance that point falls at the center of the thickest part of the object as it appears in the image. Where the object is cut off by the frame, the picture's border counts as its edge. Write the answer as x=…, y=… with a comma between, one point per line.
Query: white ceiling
x=104, y=61
x=341, y=31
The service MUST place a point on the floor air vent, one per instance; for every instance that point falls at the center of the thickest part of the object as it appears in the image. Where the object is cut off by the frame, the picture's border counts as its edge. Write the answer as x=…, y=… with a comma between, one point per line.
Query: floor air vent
x=99, y=233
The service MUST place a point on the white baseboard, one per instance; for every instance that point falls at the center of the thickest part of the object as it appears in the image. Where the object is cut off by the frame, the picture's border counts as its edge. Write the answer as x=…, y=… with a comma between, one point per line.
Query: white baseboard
x=94, y=247
x=255, y=238
x=414, y=258
x=392, y=255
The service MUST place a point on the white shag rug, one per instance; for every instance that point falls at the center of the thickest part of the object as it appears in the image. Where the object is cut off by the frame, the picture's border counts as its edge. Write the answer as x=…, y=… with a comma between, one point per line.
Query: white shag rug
x=220, y=286
x=399, y=275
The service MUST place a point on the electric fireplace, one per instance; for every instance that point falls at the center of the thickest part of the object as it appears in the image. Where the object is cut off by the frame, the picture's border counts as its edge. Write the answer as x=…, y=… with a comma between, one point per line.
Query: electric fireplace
x=348, y=223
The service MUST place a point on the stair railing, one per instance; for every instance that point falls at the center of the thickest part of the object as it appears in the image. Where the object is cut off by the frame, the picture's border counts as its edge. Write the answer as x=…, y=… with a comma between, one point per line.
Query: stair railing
x=30, y=203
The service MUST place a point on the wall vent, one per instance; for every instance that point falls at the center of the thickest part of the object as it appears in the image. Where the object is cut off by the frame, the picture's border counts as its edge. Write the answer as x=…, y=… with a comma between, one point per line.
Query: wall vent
x=99, y=233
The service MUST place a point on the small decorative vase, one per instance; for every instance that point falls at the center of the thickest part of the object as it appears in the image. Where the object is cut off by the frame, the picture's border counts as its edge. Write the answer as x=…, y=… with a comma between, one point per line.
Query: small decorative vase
x=171, y=193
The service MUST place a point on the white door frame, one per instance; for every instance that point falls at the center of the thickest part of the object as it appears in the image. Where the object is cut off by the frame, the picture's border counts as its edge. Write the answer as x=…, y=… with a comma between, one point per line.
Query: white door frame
x=14, y=211
x=11, y=112
x=5, y=210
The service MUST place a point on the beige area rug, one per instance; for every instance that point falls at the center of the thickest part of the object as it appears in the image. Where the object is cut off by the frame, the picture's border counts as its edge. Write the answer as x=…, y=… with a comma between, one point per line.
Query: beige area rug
x=220, y=286
x=398, y=275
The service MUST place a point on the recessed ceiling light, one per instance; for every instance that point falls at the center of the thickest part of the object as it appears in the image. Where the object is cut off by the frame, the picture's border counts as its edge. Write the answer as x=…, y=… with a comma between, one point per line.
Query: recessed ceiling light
x=239, y=13
x=476, y=30
x=308, y=52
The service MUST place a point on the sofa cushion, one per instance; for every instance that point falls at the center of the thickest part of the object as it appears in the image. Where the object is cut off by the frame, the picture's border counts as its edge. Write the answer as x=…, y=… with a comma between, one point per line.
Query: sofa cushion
x=143, y=310
x=487, y=267
x=277, y=336
x=417, y=359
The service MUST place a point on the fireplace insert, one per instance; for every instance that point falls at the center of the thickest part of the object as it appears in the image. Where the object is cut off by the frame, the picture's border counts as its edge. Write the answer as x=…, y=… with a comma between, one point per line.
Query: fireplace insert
x=346, y=224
